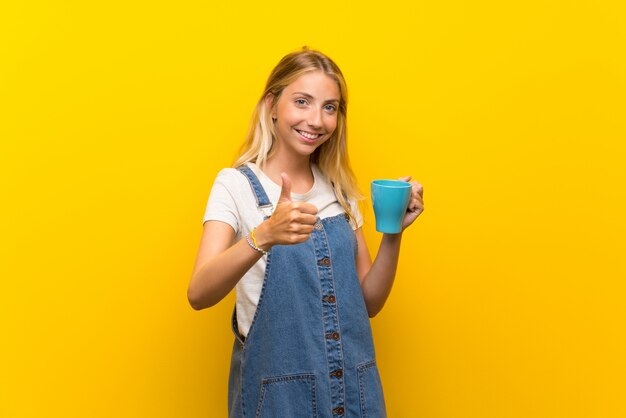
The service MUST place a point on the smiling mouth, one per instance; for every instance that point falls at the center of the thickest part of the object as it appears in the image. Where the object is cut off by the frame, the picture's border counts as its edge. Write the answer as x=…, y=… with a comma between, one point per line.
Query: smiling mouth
x=307, y=135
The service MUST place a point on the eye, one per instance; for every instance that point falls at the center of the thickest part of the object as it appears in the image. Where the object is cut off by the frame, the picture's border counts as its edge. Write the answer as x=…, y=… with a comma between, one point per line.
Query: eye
x=301, y=102
x=330, y=108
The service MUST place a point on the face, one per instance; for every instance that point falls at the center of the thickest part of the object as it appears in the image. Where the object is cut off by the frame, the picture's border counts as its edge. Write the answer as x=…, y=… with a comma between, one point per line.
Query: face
x=306, y=113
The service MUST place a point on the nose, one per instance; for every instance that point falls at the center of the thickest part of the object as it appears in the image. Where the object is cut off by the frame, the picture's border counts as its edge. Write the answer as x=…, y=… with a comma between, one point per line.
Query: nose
x=315, y=118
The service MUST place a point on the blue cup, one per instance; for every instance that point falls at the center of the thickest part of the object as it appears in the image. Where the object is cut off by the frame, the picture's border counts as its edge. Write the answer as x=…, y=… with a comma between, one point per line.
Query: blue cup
x=390, y=199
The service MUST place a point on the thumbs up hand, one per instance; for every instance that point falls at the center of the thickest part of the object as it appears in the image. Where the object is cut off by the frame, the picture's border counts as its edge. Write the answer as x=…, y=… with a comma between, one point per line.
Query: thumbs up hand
x=291, y=222
x=285, y=191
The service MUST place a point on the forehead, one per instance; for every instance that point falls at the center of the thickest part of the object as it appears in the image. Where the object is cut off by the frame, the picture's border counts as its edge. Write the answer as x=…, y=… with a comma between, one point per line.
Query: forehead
x=316, y=84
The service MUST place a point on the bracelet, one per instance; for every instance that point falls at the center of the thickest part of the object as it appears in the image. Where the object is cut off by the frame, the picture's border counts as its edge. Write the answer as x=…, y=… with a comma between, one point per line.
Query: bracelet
x=252, y=243
x=254, y=238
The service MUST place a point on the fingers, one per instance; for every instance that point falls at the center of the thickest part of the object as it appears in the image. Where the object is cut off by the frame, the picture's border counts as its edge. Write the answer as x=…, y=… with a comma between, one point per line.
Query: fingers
x=416, y=202
x=285, y=191
x=302, y=229
x=305, y=218
x=297, y=232
x=306, y=208
x=298, y=211
x=417, y=188
x=292, y=222
x=416, y=205
x=300, y=222
x=297, y=238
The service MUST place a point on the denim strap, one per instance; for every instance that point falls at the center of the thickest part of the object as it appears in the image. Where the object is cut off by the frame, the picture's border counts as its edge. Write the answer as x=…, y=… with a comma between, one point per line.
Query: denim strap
x=262, y=201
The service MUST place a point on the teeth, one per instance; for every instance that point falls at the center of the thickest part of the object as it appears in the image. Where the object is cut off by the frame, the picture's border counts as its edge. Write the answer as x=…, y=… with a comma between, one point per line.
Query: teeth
x=308, y=135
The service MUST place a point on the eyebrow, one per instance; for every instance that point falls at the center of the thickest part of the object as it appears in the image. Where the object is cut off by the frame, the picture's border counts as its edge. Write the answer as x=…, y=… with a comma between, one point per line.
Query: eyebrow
x=301, y=93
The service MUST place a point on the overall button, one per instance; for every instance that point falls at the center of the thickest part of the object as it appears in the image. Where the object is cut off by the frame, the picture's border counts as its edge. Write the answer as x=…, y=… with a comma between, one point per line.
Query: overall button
x=318, y=226
x=324, y=262
x=333, y=336
x=329, y=298
x=338, y=411
x=337, y=373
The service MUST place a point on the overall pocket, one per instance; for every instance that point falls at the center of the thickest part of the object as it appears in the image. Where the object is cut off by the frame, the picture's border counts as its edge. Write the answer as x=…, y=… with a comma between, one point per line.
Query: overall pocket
x=370, y=391
x=288, y=396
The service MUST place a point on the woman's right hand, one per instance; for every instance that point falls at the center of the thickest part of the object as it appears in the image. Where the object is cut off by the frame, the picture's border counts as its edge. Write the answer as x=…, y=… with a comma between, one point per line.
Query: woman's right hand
x=291, y=222
x=220, y=264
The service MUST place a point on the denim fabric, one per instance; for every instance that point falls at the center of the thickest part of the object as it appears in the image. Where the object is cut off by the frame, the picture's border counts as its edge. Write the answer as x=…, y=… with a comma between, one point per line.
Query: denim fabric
x=309, y=352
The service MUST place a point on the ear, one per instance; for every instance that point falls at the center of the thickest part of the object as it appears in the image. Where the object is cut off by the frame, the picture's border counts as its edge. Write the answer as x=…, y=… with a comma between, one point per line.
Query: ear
x=269, y=98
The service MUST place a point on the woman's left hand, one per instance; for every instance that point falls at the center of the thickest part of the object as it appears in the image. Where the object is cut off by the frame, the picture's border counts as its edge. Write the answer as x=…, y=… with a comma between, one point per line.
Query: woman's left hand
x=416, y=202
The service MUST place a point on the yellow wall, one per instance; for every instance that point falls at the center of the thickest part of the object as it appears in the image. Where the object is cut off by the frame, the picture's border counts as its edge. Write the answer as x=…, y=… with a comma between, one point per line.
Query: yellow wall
x=115, y=118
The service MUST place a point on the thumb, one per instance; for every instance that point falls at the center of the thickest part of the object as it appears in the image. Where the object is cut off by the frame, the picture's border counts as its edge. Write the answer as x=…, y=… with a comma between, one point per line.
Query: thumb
x=285, y=191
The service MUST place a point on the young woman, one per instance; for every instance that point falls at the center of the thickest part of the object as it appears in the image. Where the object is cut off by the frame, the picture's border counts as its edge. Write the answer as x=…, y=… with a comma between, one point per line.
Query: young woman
x=283, y=227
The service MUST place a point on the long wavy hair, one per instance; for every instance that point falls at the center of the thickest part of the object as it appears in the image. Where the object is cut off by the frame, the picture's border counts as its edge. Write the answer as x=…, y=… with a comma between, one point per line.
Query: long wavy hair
x=332, y=156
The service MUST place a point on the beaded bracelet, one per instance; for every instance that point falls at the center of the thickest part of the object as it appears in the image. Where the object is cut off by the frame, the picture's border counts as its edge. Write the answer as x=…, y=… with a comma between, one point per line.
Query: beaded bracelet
x=252, y=243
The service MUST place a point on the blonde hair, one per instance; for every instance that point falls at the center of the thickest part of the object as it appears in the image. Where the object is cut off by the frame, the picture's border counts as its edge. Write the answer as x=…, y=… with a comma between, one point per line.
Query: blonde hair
x=332, y=156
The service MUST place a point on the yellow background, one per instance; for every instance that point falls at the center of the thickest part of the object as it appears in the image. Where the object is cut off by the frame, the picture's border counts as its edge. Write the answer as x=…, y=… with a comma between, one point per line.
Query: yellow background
x=116, y=116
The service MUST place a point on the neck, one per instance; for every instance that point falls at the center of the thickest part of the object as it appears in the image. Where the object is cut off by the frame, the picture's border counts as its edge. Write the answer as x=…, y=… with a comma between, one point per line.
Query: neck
x=298, y=169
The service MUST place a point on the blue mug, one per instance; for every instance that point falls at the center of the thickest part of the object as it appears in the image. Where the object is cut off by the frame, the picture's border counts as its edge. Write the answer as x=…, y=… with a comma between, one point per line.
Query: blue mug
x=390, y=199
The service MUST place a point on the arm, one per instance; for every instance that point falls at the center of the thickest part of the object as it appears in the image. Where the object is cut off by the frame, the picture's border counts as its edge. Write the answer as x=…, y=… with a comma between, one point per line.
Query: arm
x=221, y=264
x=377, y=278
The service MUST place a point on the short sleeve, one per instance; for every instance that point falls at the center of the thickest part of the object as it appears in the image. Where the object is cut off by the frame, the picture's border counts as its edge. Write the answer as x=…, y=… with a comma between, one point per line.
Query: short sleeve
x=356, y=212
x=221, y=205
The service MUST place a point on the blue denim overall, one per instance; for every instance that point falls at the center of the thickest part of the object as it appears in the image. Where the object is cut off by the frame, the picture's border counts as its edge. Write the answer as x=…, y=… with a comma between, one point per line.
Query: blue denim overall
x=309, y=352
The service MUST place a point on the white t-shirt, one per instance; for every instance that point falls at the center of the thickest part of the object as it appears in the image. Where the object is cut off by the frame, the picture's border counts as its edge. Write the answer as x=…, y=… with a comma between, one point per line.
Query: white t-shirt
x=232, y=201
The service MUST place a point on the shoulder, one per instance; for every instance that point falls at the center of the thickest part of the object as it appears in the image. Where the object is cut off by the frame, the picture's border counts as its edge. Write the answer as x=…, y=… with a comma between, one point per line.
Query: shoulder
x=228, y=174
x=231, y=179
x=229, y=200
x=228, y=184
x=356, y=212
